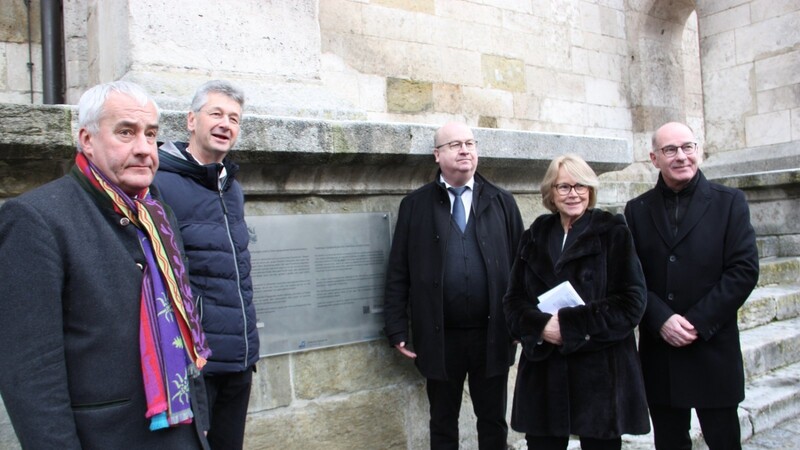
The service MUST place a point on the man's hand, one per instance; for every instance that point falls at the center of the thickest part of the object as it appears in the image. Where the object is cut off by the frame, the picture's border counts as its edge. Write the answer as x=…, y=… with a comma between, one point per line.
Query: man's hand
x=677, y=331
x=401, y=347
x=552, y=331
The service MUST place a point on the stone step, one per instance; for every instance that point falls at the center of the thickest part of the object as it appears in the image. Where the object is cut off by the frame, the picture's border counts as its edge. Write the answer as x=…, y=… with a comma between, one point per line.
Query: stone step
x=778, y=270
x=771, y=346
x=768, y=304
x=769, y=401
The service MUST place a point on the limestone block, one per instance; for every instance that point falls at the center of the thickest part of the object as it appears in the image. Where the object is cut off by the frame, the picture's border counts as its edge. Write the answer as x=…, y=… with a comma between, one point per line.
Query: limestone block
x=407, y=96
x=765, y=9
x=768, y=128
x=367, y=420
x=479, y=38
x=590, y=17
x=597, y=42
x=487, y=122
x=439, y=31
x=729, y=19
x=272, y=384
x=770, y=346
x=349, y=368
x=390, y=23
x=775, y=217
x=372, y=93
x=3, y=70
x=605, y=92
x=759, y=309
x=48, y=127
x=727, y=93
x=18, y=78
x=511, y=44
x=488, y=102
x=608, y=117
x=283, y=36
x=503, y=73
x=788, y=303
x=447, y=98
x=526, y=106
x=478, y=13
x=421, y=6
x=14, y=22
x=778, y=271
x=342, y=16
x=560, y=111
x=773, y=398
x=772, y=35
x=543, y=82
x=778, y=71
x=795, y=124
x=524, y=21
x=599, y=64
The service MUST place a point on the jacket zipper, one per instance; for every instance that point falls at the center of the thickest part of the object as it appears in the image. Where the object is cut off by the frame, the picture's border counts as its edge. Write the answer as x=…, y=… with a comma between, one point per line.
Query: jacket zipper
x=238, y=279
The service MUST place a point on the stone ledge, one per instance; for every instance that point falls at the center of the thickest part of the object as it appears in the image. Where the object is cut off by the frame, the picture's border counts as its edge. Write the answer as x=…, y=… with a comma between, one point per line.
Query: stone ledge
x=309, y=156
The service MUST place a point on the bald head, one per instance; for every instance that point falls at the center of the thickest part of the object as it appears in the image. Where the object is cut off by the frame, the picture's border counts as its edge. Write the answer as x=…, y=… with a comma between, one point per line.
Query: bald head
x=677, y=167
x=457, y=161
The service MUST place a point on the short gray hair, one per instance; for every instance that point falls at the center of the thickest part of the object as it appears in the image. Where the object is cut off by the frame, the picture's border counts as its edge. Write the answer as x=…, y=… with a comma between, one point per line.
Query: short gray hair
x=219, y=87
x=92, y=102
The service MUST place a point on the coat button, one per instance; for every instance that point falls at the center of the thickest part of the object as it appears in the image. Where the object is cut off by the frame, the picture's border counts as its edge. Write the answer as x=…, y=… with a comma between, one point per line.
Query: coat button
x=670, y=297
x=140, y=266
x=672, y=258
x=124, y=221
x=587, y=337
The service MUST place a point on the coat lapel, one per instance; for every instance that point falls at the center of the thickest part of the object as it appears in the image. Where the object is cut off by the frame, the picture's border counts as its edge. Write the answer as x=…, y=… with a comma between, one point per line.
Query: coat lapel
x=658, y=214
x=701, y=200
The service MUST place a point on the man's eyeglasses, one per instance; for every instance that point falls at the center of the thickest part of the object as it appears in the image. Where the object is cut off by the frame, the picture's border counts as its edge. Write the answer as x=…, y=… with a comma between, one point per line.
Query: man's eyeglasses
x=564, y=188
x=671, y=150
x=456, y=145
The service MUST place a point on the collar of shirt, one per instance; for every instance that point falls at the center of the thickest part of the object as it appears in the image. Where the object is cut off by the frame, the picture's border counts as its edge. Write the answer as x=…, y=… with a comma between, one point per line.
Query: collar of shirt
x=466, y=197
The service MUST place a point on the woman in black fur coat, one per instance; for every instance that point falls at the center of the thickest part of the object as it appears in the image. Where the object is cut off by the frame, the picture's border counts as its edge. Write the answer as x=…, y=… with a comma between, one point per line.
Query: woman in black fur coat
x=580, y=372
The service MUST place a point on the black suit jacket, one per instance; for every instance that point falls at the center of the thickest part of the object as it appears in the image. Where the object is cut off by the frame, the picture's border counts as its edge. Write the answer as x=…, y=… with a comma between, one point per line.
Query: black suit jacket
x=416, y=267
x=705, y=272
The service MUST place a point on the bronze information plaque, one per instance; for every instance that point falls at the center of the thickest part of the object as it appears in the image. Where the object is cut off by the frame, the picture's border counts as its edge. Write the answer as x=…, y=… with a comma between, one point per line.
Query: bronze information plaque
x=318, y=279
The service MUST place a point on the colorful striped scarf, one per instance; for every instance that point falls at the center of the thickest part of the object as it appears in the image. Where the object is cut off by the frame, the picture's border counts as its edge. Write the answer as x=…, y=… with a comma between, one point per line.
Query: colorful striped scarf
x=171, y=342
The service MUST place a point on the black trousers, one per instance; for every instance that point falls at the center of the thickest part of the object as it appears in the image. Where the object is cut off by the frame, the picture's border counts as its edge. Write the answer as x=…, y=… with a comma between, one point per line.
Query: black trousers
x=671, y=427
x=465, y=355
x=228, y=396
x=560, y=443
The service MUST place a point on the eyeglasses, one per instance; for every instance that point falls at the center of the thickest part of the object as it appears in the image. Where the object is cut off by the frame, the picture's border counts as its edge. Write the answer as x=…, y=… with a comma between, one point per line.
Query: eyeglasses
x=671, y=150
x=456, y=145
x=564, y=188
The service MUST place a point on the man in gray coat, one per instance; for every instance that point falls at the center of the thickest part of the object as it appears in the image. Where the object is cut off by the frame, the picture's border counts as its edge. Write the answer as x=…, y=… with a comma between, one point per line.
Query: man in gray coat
x=101, y=343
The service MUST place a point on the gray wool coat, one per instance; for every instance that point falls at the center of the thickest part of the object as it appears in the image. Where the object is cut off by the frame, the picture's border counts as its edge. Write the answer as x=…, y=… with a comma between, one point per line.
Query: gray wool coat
x=70, y=283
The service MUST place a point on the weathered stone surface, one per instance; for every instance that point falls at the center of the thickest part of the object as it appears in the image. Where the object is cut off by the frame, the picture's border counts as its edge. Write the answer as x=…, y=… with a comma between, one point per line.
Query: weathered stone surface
x=349, y=368
x=407, y=96
x=272, y=384
x=365, y=420
x=503, y=73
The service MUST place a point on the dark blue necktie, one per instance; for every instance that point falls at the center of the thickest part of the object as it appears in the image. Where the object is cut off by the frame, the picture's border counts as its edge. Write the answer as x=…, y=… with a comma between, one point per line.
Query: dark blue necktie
x=458, y=207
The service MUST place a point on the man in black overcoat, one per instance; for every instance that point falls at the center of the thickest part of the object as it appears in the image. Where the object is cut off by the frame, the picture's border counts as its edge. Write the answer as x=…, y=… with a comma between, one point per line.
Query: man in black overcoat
x=699, y=256
x=451, y=255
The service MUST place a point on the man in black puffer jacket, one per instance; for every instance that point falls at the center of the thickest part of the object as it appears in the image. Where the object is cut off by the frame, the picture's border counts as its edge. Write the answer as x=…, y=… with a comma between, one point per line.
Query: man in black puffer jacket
x=197, y=181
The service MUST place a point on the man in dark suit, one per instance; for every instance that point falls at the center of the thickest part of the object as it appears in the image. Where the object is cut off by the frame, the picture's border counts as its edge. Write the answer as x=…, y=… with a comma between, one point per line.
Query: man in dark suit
x=101, y=342
x=453, y=247
x=698, y=251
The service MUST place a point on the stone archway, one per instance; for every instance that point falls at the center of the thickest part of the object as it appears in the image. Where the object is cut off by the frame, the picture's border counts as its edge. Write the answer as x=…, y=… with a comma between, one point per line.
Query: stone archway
x=665, y=70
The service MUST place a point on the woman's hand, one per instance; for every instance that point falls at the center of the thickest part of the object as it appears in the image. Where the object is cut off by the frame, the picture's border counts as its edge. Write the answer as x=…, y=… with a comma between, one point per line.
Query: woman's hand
x=552, y=331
